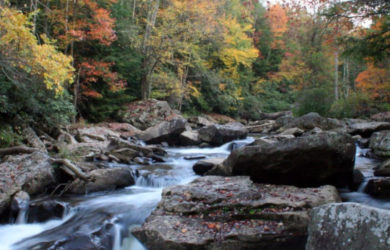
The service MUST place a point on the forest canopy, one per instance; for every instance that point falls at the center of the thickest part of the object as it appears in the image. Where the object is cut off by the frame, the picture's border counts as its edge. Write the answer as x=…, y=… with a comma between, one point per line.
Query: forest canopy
x=63, y=60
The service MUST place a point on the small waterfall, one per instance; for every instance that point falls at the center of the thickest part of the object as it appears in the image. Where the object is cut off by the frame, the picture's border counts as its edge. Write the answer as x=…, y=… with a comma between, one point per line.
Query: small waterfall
x=22, y=215
x=117, y=237
x=363, y=185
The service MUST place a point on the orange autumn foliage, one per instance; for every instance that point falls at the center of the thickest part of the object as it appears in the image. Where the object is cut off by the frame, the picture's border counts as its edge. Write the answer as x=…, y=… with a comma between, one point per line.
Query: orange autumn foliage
x=375, y=81
x=277, y=18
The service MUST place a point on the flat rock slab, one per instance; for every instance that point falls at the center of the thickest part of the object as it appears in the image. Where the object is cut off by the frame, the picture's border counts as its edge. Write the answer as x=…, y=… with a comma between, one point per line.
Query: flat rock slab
x=346, y=226
x=216, y=212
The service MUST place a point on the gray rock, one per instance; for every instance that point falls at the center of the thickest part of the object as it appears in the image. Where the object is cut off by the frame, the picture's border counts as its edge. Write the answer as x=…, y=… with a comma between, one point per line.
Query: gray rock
x=383, y=169
x=310, y=121
x=232, y=213
x=349, y=226
x=381, y=117
x=326, y=158
x=167, y=131
x=380, y=143
x=189, y=138
x=202, y=166
x=103, y=179
x=264, y=126
x=44, y=210
x=31, y=173
x=200, y=121
x=293, y=131
x=367, y=128
x=219, y=134
x=148, y=113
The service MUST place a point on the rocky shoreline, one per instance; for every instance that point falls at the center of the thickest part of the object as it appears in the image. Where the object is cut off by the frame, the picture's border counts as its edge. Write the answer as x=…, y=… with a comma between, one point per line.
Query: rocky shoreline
x=222, y=211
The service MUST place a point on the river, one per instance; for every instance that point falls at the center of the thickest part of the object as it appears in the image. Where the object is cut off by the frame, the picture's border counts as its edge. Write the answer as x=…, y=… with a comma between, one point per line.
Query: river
x=106, y=217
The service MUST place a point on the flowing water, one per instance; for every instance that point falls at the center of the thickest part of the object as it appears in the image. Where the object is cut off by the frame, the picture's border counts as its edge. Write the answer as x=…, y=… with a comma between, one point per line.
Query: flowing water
x=366, y=166
x=107, y=216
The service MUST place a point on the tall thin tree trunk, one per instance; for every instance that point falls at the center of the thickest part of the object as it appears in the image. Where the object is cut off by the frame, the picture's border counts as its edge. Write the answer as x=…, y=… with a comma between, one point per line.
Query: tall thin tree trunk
x=147, y=61
x=336, y=74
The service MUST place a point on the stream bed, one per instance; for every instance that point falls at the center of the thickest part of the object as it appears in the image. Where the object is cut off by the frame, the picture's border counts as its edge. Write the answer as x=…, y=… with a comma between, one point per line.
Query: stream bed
x=106, y=217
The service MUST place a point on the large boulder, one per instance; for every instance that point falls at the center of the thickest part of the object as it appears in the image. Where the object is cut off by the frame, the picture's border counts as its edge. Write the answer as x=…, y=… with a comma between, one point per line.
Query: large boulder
x=31, y=173
x=366, y=128
x=200, y=121
x=103, y=179
x=345, y=226
x=95, y=133
x=148, y=113
x=168, y=131
x=309, y=122
x=380, y=143
x=326, y=158
x=232, y=213
x=217, y=135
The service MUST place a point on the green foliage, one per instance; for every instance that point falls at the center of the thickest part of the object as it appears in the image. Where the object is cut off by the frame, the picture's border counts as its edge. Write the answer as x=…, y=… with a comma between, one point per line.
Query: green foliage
x=355, y=105
x=314, y=100
x=8, y=136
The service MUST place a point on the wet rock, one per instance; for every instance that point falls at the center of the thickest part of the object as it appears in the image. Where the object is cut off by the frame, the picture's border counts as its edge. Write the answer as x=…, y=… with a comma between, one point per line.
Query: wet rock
x=346, y=226
x=358, y=179
x=148, y=113
x=217, y=135
x=31, y=173
x=383, y=169
x=326, y=158
x=44, y=210
x=167, y=131
x=103, y=179
x=379, y=187
x=309, y=122
x=380, y=143
x=194, y=157
x=189, y=138
x=366, y=129
x=202, y=166
x=232, y=213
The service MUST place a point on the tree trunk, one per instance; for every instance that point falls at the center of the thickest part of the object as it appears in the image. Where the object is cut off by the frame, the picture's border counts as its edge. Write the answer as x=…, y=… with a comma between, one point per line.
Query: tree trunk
x=147, y=62
x=336, y=75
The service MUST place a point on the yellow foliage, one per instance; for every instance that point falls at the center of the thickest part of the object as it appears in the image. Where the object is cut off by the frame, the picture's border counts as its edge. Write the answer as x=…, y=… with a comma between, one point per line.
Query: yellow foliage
x=238, y=47
x=21, y=48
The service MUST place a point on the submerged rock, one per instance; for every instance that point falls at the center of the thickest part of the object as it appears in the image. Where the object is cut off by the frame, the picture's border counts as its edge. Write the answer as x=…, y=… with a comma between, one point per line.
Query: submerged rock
x=326, y=158
x=217, y=135
x=380, y=143
x=232, y=213
x=346, y=226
